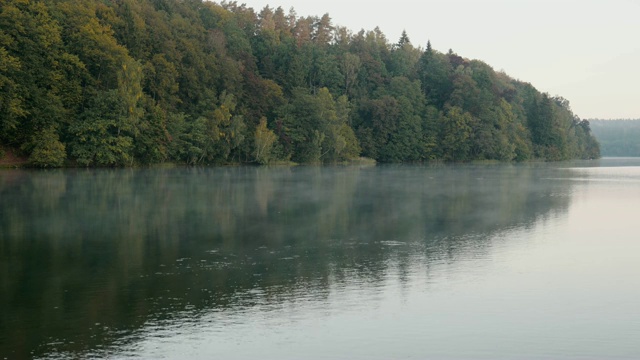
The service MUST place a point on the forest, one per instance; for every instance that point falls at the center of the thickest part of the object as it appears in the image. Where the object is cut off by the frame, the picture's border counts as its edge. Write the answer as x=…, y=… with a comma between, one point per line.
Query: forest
x=617, y=137
x=135, y=82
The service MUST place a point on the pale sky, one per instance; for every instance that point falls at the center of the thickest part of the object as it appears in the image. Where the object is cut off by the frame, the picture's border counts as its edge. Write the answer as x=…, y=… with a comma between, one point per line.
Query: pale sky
x=586, y=51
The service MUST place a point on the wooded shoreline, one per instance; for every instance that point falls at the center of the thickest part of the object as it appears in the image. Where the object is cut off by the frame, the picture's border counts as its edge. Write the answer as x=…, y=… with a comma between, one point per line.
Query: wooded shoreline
x=137, y=82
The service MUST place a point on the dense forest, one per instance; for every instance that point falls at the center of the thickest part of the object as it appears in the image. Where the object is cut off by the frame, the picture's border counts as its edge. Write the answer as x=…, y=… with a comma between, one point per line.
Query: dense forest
x=126, y=82
x=617, y=137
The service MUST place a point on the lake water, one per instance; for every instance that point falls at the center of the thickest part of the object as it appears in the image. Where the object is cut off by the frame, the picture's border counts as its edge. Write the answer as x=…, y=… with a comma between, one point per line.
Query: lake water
x=531, y=261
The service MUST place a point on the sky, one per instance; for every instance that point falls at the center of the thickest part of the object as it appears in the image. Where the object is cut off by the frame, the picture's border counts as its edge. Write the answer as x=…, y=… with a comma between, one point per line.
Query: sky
x=585, y=51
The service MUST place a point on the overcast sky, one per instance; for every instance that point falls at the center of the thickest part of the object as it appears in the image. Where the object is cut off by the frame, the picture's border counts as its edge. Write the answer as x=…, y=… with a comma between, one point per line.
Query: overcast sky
x=586, y=51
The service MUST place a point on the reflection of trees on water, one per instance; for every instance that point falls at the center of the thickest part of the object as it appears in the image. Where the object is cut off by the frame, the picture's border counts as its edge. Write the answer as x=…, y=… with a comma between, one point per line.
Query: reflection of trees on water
x=84, y=253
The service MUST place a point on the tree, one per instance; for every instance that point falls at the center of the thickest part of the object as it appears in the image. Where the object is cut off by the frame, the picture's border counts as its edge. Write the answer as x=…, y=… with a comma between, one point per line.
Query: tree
x=404, y=39
x=434, y=71
x=115, y=83
x=129, y=93
x=47, y=149
x=455, y=134
x=97, y=136
x=315, y=127
x=217, y=133
x=404, y=58
x=40, y=91
x=153, y=138
x=350, y=65
x=323, y=30
x=264, y=140
x=11, y=101
x=375, y=122
x=161, y=81
x=406, y=143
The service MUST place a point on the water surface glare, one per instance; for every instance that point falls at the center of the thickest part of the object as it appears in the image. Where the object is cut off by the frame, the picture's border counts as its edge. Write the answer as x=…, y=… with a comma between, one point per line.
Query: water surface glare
x=531, y=261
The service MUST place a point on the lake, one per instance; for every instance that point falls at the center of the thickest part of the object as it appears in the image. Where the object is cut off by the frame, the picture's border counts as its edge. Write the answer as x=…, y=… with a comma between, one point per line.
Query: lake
x=526, y=261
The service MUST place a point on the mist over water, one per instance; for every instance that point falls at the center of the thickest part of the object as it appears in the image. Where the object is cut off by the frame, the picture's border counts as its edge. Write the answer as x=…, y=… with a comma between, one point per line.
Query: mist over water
x=396, y=261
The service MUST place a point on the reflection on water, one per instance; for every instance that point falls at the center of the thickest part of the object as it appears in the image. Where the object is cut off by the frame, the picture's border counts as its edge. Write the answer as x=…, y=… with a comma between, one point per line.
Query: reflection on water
x=239, y=262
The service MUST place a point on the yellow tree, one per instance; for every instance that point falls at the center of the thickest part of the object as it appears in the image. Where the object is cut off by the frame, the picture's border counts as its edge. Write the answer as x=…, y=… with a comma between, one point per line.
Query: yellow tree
x=264, y=140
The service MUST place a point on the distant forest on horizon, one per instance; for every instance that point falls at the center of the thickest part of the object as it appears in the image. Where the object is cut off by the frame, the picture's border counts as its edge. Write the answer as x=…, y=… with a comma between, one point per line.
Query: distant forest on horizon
x=131, y=82
x=617, y=137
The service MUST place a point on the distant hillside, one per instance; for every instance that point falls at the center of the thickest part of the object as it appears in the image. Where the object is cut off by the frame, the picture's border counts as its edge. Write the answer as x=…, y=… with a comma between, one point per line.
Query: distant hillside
x=617, y=137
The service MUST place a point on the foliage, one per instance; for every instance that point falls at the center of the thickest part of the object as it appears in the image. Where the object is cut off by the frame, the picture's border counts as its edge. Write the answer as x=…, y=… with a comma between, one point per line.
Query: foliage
x=264, y=140
x=116, y=83
x=47, y=150
x=97, y=137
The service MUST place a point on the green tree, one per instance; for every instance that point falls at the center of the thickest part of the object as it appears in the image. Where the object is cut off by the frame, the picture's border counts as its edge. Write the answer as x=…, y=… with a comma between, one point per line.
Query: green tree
x=434, y=74
x=212, y=137
x=375, y=122
x=455, y=134
x=406, y=142
x=129, y=93
x=404, y=58
x=264, y=140
x=11, y=101
x=350, y=66
x=39, y=92
x=47, y=150
x=315, y=127
x=153, y=139
x=97, y=136
x=161, y=81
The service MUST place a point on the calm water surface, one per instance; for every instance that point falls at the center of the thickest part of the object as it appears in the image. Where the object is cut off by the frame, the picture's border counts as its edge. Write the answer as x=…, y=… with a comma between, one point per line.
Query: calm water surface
x=534, y=261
